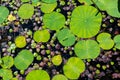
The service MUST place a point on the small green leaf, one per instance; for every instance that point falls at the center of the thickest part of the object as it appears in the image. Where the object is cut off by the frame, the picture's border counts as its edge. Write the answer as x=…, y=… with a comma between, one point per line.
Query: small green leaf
x=117, y=41
x=23, y=59
x=26, y=11
x=54, y=20
x=105, y=41
x=87, y=49
x=20, y=41
x=41, y=36
x=38, y=75
x=57, y=60
x=65, y=37
x=59, y=77
x=4, y=12
x=49, y=1
x=25, y=0
x=73, y=68
x=7, y=62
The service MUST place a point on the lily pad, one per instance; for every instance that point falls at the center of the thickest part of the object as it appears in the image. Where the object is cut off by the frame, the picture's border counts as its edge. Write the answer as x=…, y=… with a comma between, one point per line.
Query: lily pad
x=25, y=0
x=73, y=68
x=65, y=37
x=41, y=36
x=20, y=41
x=86, y=2
x=54, y=20
x=6, y=74
x=26, y=11
x=59, y=77
x=7, y=62
x=87, y=49
x=48, y=8
x=49, y=1
x=38, y=75
x=4, y=12
x=23, y=59
x=57, y=60
x=117, y=41
x=105, y=41
x=82, y=20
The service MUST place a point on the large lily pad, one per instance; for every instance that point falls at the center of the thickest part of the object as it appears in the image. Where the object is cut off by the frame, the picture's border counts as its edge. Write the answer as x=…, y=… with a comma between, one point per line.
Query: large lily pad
x=4, y=12
x=117, y=41
x=49, y=1
x=85, y=21
x=73, y=68
x=87, y=49
x=38, y=75
x=23, y=59
x=65, y=37
x=105, y=41
x=59, y=77
x=26, y=11
x=54, y=20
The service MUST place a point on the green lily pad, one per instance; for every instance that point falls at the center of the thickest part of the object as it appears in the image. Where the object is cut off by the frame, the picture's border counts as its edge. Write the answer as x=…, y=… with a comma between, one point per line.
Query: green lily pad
x=25, y=0
x=4, y=12
x=57, y=60
x=59, y=77
x=65, y=37
x=73, y=68
x=20, y=41
x=86, y=2
x=111, y=8
x=23, y=59
x=26, y=11
x=54, y=20
x=7, y=62
x=82, y=20
x=49, y=1
x=41, y=36
x=87, y=49
x=6, y=74
x=105, y=41
x=48, y=8
x=38, y=75
x=117, y=41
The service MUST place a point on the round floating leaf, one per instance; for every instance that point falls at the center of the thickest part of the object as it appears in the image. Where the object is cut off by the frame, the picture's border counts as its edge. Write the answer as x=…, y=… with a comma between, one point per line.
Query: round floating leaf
x=49, y=1
x=6, y=74
x=25, y=0
x=85, y=21
x=59, y=77
x=20, y=41
x=57, y=60
x=41, y=36
x=105, y=41
x=4, y=12
x=54, y=20
x=117, y=41
x=23, y=59
x=86, y=2
x=48, y=8
x=74, y=67
x=38, y=75
x=26, y=11
x=7, y=62
x=111, y=8
x=65, y=37
x=87, y=49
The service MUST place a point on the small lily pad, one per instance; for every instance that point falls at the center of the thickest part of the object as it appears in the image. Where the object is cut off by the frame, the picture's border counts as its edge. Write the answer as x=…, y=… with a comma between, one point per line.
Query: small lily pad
x=4, y=12
x=54, y=20
x=87, y=49
x=82, y=20
x=59, y=77
x=25, y=0
x=41, y=36
x=65, y=37
x=23, y=59
x=48, y=8
x=73, y=68
x=20, y=41
x=7, y=62
x=38, y=75
x=49, y=1
x=117, y=41
x=105, y=41
x=26, y=11
x=57, y=60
